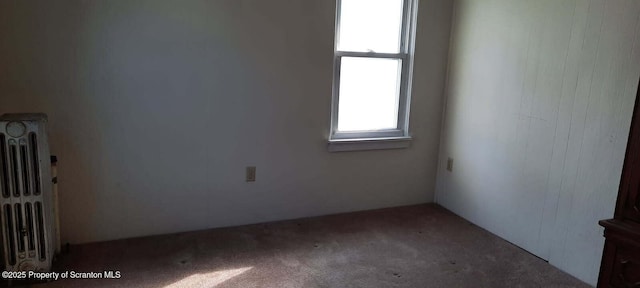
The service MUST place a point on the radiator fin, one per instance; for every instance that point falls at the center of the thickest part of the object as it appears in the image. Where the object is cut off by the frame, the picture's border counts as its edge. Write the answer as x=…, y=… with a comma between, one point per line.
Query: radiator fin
x=35, y=163
x=19, y=227
x=13, y=164
x=9, y=234
x=24, y=169
x=42, y=252
x=4, y=182
x=28, y=211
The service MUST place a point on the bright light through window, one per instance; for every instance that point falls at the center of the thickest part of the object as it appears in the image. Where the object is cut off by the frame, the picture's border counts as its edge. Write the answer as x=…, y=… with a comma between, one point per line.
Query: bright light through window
x=370, y=25
x=368, y=94
x=373, y=67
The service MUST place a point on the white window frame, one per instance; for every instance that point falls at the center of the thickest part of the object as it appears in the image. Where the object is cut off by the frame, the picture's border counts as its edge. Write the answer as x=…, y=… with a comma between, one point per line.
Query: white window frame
x=378, y=139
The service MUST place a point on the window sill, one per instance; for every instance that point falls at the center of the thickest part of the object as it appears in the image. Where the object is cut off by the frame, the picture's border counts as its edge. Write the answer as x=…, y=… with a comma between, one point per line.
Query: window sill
x=361, y=144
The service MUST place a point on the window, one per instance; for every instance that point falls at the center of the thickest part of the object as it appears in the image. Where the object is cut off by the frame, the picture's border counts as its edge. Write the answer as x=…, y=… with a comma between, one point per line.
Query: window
x=372, y=77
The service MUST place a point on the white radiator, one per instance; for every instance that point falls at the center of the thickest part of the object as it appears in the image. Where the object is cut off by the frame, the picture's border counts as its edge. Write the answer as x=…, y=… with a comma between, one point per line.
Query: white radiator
x=26, y=202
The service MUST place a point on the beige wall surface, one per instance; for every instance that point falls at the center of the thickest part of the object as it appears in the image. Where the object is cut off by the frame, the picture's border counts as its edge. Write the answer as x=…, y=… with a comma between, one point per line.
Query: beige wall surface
x=538, y=107
x=156, y=108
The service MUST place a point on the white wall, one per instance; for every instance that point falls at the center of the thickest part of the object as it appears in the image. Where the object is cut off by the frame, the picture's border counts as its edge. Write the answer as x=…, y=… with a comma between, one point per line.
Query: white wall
x=156, y=107
x=539, y=102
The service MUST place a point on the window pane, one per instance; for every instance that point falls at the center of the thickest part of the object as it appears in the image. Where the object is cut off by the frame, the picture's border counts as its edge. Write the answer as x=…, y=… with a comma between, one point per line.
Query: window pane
x=369, y=89
x=370, y=25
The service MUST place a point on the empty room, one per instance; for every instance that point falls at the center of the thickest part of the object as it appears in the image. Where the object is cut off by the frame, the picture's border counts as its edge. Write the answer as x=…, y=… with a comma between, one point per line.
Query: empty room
x=319, y=143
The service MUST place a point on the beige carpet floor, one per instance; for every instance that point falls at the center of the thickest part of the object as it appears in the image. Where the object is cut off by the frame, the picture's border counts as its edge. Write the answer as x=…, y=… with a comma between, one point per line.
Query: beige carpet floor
x=415, y=246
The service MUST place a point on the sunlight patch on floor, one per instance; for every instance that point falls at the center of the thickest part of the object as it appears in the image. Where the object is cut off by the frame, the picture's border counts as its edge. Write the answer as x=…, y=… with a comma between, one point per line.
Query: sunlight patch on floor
x=208, y=279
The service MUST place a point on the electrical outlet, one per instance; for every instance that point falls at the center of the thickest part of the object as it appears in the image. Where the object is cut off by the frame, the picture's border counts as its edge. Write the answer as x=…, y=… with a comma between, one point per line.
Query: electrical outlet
x=251, y=174
x=450, y=164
